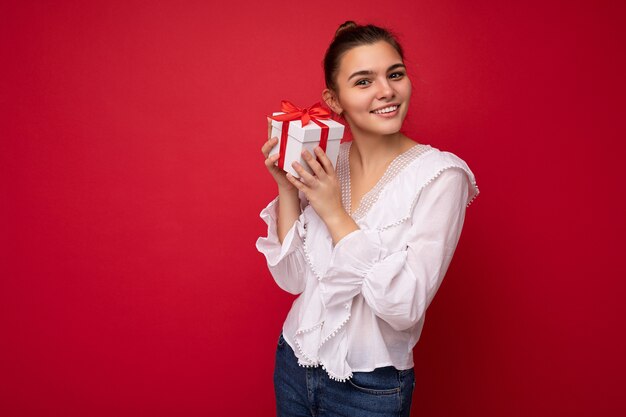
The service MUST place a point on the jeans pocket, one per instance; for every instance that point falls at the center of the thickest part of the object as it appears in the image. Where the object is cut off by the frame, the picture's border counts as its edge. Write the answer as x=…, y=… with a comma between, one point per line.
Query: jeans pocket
x=380, y=381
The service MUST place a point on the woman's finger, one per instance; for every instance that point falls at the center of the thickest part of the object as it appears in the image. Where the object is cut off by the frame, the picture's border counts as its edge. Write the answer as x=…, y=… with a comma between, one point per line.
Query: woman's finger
x=269, y=162
x=315, y=166
x=296, y=182
x=269, y=127
x=305, y=177
x=324, y=160
x=267, y=146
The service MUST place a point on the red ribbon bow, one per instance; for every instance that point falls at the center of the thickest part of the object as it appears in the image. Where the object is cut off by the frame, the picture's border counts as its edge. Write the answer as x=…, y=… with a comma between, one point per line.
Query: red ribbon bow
x=293, y=112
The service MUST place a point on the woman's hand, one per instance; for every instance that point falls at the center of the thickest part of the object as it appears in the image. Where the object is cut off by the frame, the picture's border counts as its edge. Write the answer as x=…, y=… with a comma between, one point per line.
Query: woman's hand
x=279, y=175
x=322, y=189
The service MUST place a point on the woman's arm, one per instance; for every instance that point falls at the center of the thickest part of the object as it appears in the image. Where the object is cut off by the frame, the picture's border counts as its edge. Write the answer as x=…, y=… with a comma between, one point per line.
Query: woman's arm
x=285, y=257
x=288, y=211
x=282, y=247
x=399, y=286
x=289, y=202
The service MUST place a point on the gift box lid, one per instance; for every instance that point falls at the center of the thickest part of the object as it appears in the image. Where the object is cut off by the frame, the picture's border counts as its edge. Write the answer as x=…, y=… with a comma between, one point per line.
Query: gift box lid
x=310, y=132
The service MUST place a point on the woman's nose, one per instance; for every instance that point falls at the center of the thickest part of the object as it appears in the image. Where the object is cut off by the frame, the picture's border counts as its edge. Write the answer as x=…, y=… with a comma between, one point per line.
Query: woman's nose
x=384, y=90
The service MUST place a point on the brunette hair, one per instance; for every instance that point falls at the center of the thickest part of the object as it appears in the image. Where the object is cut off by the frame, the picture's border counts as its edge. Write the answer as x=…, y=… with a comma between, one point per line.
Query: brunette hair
x=350, y=35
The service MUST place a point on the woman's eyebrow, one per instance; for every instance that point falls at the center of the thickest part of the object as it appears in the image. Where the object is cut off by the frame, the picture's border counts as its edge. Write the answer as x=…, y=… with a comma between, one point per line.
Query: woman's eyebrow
x=395, y=67
x=370, y=72
x=356, y=74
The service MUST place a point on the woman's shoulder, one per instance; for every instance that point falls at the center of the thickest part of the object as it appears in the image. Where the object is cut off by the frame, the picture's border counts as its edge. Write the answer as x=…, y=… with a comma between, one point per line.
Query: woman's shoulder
x=432, y=164
x=437, y=160
x=425, y=164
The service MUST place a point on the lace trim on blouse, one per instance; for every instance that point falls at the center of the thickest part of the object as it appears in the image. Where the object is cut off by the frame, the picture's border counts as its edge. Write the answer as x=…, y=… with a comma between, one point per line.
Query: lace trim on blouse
x=371, y=197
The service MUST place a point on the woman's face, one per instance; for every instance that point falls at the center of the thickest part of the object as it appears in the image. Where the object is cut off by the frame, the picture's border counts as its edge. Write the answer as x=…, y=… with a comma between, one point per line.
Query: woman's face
x=373, y=89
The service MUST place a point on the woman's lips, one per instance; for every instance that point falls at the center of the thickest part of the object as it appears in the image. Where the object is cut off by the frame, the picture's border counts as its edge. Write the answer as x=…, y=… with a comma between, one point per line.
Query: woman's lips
x=387, y=114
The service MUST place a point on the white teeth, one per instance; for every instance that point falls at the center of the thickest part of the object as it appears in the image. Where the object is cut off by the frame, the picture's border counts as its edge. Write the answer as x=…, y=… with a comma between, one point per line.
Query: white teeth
x=386, y=110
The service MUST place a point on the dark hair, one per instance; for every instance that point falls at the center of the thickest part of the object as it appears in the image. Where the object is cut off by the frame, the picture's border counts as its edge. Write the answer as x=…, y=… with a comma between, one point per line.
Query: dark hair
x=350, y=35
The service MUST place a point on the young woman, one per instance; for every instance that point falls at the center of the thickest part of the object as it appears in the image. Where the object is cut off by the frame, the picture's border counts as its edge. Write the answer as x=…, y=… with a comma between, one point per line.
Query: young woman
x=365, y=246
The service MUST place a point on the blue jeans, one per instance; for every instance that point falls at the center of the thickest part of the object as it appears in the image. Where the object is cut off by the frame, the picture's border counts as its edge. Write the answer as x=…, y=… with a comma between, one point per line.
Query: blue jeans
x=309, y=392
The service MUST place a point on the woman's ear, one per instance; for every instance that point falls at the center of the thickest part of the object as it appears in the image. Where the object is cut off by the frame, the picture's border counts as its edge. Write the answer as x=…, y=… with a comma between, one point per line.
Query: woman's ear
x=330, y=98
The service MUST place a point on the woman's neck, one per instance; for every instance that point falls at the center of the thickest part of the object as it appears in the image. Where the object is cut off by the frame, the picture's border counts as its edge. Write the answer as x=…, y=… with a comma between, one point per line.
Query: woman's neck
x=373, y=152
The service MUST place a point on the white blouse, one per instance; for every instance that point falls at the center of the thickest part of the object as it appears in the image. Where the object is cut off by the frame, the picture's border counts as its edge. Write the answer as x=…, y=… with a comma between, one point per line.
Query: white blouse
x=363, y=301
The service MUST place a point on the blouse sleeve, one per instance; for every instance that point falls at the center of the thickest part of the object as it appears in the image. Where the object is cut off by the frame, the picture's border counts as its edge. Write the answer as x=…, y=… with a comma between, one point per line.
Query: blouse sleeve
x=399, y=286
x=285, y=261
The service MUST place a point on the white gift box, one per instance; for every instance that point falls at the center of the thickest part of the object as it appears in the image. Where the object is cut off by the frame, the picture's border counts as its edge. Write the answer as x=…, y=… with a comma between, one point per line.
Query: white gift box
x=305, y=137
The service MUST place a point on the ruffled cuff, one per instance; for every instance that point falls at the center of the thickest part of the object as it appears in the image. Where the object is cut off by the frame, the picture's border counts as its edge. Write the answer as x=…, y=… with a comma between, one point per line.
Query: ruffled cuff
x=354, y=256
x=270, y=246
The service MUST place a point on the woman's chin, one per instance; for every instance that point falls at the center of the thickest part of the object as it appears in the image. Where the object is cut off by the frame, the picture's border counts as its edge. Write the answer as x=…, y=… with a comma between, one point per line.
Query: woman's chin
x=379, y=127
x=388, y=129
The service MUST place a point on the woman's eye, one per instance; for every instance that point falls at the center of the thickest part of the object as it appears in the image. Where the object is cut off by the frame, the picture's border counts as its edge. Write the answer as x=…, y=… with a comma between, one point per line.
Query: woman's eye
x=363, y=82
x=396, y=75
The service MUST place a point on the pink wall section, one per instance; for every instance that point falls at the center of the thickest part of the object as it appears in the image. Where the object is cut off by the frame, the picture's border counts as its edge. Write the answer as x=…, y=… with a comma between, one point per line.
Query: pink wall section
x=131, y=181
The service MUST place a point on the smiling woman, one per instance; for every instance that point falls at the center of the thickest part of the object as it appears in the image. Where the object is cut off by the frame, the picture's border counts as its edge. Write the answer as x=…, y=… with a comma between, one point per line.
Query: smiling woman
x=365, y=247
x=379, y=86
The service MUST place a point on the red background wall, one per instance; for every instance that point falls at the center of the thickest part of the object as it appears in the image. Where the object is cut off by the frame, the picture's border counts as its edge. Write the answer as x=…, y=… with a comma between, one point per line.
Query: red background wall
x=131, y=182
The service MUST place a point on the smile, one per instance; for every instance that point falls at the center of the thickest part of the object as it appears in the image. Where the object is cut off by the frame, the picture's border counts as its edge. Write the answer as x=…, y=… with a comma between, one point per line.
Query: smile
x=386, y=110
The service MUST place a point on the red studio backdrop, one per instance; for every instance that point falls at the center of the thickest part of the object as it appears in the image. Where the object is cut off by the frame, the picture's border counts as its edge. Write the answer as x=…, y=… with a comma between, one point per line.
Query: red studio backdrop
x=131, y=182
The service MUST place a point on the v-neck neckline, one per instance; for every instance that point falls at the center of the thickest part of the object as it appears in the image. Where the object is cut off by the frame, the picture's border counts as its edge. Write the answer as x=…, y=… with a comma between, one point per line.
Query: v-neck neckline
x=371, y=196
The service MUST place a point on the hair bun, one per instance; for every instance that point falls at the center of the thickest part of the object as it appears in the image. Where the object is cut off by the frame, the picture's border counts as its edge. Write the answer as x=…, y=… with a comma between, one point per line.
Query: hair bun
x=345, y=26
